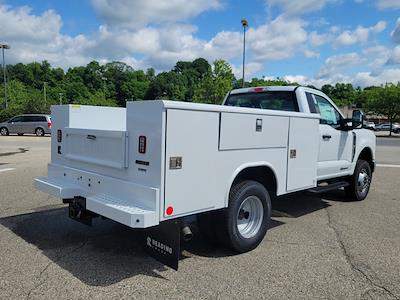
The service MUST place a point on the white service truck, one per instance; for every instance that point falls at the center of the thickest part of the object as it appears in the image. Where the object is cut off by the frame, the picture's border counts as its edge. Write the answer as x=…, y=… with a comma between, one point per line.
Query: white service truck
x=156, y=163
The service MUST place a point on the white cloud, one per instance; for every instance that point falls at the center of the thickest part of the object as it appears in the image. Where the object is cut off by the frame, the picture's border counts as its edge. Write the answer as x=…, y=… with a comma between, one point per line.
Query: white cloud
x=300, y=79
x=38, y=37
x=376, y=56
x=138, y=13
x=311, y=54
x=385, y=4
x=21, y=24
x=337, y=62
x=161, y=42
x=395, y=56
x=317, y=39
x=279, y=39
x=360, y=35
x=364, y=79
x=299, y=7
x=250, y=70
x=396, y=32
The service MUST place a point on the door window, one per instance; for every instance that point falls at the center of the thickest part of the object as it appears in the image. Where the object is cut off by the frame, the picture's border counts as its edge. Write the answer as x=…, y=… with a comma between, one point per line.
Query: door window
x=329, y=115
x=15, y=120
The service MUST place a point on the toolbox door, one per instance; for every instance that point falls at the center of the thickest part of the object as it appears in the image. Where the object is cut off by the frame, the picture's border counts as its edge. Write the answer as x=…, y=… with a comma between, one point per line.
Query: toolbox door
x=191, y=162
x=302, y=154
x=100, y=147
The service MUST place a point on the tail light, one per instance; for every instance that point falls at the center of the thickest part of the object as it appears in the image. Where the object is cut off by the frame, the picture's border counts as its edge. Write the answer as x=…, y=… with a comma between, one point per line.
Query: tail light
x=59, y=135
x=49, y=124
x=142, y=144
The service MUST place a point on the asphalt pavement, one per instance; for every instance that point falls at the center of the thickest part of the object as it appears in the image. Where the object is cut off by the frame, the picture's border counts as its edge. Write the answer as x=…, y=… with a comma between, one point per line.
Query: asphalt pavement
x=317, y=248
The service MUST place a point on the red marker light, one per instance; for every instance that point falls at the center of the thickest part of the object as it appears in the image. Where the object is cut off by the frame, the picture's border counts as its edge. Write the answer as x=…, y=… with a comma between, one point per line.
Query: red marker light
x=259, y=89
x=169, y=210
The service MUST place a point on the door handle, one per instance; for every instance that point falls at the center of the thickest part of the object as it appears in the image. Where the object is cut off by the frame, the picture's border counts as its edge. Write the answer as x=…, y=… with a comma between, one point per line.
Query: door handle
x=326, y=137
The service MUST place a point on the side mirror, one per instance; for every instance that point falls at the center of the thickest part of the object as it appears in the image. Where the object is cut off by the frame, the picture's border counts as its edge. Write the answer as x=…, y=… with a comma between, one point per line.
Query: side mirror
x=358, y=119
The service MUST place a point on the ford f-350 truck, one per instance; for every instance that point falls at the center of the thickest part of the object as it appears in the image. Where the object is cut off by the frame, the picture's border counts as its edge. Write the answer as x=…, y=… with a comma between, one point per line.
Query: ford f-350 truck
x=156, y=163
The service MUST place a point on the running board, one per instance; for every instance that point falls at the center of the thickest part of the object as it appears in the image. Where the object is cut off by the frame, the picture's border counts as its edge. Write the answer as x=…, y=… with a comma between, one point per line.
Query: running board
x=329, y=187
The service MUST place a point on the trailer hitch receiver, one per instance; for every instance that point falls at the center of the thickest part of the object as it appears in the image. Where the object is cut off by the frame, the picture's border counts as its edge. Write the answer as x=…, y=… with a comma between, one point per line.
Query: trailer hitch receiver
x=78, y=212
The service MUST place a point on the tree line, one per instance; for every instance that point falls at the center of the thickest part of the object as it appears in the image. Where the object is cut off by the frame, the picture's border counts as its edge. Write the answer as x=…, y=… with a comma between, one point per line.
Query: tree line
x=34, y=87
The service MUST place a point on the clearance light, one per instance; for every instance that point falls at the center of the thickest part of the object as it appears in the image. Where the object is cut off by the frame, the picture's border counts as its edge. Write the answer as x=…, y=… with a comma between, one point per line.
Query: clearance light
x=169, y=210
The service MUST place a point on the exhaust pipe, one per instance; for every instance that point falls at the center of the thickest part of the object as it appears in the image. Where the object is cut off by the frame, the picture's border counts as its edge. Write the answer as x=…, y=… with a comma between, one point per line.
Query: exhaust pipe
x=187, y=233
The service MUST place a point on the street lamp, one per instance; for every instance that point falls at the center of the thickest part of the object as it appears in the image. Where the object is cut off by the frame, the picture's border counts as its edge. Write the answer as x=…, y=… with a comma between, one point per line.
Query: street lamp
x=5, y=46
x=245, y=24
x=44, y=94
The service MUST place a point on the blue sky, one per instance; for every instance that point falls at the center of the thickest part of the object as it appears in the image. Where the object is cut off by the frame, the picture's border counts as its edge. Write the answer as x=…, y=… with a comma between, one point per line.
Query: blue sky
x=308, y=41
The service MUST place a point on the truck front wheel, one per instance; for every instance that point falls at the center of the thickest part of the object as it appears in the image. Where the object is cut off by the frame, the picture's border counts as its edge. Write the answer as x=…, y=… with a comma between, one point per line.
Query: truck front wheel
x=360, y=182
x=245, y=222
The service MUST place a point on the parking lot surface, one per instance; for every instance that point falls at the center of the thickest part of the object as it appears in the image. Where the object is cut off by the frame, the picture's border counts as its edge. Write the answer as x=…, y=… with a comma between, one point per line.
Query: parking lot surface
x=317, y=248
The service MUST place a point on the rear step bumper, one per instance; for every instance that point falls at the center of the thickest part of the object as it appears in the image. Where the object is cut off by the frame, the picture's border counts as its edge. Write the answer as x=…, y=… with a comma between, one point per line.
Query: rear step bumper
x=138, y=209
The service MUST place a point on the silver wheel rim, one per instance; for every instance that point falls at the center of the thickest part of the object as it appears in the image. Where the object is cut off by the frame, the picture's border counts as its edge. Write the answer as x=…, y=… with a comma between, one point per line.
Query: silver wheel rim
x=3, y=131
x=363, y=182
x=250, y=216
x=39, y=132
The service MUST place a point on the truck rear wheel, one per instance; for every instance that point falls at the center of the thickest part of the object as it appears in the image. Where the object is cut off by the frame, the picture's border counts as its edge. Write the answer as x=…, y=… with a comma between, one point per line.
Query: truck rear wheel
x=245, y=222
x=360, y=182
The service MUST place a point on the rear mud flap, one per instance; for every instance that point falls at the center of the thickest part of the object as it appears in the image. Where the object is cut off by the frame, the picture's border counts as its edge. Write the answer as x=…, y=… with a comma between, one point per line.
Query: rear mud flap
x=162, y=242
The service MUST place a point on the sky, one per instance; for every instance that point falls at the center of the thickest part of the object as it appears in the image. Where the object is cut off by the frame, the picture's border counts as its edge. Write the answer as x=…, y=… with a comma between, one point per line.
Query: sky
x=308, y=41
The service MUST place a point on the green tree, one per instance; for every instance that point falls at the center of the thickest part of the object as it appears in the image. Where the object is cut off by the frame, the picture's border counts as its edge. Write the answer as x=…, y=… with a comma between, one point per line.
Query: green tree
x=384, y=101
x=215, y=84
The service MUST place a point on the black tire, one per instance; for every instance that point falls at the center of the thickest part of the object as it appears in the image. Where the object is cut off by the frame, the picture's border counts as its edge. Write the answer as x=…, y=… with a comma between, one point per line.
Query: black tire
x=39, y=131
x=4, y=131
x=360, y=182
x=228, y=231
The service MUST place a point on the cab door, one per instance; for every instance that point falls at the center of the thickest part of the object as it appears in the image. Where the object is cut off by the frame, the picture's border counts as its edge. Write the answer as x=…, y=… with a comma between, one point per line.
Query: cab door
x=335, y=151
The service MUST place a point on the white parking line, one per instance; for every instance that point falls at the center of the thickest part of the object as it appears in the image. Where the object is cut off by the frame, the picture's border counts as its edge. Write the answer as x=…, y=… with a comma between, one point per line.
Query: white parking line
x=387, y=166
x=6, y=169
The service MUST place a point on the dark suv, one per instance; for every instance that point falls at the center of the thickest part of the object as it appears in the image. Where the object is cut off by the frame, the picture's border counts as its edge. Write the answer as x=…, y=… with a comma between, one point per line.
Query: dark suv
x=37, y=124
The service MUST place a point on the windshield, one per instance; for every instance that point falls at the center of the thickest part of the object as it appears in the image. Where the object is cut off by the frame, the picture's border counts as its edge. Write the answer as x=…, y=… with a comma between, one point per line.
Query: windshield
x=275, y=100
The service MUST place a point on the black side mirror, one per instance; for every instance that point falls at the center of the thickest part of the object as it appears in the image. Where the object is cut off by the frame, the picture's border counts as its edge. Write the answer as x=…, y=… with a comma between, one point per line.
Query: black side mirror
x=358, y=119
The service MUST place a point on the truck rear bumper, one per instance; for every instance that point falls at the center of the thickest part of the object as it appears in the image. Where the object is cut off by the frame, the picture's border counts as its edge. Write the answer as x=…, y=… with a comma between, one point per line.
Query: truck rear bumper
x=134, y=205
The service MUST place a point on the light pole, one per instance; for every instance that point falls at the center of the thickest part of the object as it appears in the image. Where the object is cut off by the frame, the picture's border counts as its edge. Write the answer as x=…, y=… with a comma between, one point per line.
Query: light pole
x=245, y=24
x=4, y=46
x=44, y=94
x=60, y=95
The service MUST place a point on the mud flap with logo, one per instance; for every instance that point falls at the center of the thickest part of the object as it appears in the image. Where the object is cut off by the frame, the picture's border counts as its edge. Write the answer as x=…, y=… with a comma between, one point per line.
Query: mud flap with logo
x=163, y=243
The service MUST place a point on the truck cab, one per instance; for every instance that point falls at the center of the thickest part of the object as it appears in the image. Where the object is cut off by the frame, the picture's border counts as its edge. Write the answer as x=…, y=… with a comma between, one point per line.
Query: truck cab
x=341, y=140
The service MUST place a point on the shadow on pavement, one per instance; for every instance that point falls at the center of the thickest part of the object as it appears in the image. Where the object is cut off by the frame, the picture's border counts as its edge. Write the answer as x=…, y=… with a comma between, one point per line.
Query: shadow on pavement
x=297, y=204
x=108, y=252
x=101, y=255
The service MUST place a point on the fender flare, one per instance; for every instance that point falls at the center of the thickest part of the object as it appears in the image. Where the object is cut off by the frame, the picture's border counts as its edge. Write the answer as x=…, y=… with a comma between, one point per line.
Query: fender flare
x=242, y=167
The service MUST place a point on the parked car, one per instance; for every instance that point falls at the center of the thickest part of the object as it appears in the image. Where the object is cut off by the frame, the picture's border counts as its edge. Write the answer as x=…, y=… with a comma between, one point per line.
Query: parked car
x=38, y=124
x=386, y=127
x=371, y=126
